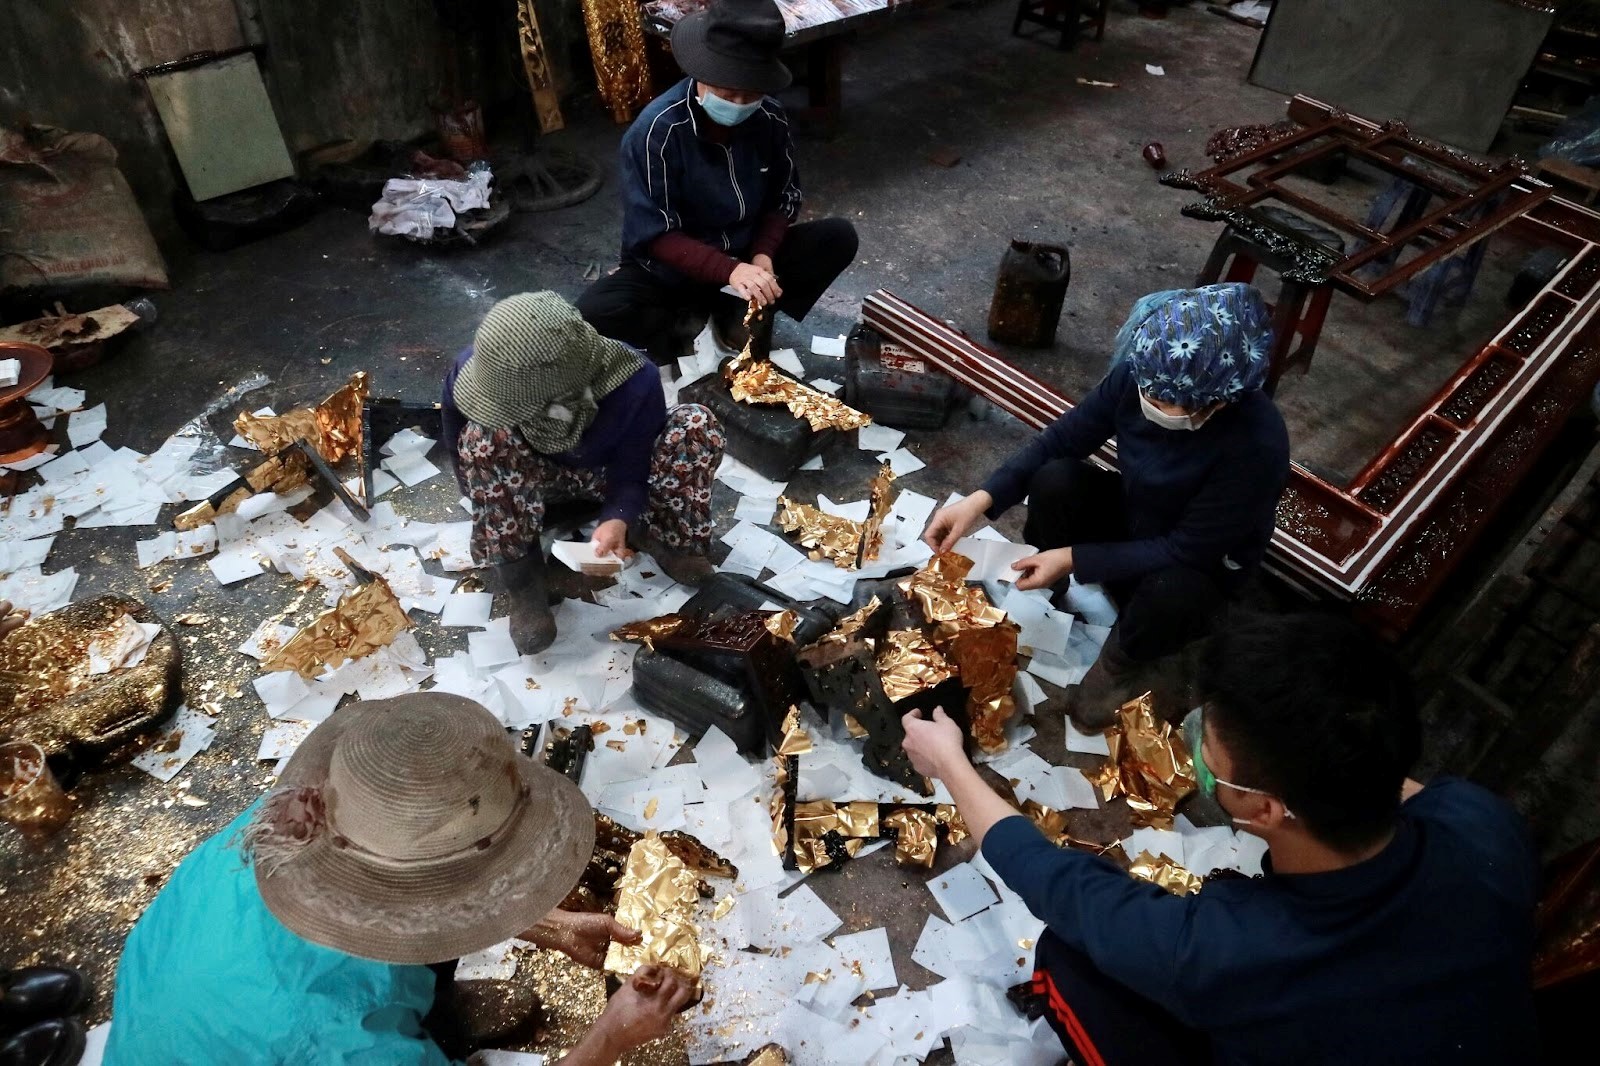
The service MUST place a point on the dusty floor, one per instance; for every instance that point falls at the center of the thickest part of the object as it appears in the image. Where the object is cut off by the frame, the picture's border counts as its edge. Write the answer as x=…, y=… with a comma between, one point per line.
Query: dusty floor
x=1042, y=156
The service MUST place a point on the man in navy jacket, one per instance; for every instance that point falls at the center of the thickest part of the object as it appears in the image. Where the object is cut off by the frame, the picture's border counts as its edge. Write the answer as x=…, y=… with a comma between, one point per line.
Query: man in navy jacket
x=1392, y=925
x=1202, y=455
x=711, y=194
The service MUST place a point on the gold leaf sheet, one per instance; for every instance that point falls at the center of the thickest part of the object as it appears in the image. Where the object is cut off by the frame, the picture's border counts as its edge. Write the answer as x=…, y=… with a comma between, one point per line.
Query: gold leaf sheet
x=657, y=895
x=756, y=381
x=364, y=620
x=1150, y=764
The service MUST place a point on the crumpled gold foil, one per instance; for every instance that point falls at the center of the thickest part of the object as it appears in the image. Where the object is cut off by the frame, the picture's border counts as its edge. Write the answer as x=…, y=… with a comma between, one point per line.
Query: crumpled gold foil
x=847, y=543
x=616, y=44
x=941, y=593
x=917, y=836
x=1150, y=764
x=281, y=473
x=855, y=822
x=955, y=826
x=986, y=659
x=657, y=895
x=828, y=536
x=756, y=381
x=364, y=620
x=333, y=427
x=882, y=498
x=908, y=664
x=650, y=630
x=851, y=624
x=795, y=740
x=975, y=636
x=781, y=624
x=853, y=726
x=1160, y=870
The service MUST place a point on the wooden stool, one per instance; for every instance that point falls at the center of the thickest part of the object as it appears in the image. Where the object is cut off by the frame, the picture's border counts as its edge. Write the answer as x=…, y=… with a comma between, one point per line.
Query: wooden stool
x=1300, y=309
x=1070, y=18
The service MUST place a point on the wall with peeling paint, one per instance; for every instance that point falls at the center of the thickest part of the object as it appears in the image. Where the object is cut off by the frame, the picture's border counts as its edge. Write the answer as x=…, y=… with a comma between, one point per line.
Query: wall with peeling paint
x=335, y=69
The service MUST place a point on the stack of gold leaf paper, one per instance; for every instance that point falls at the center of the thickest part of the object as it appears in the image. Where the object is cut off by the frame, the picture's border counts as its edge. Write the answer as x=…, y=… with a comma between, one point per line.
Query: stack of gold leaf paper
x=1150, y=765
x=657, y=895
x=975, y=637
x=757, y=381
x=847, y=543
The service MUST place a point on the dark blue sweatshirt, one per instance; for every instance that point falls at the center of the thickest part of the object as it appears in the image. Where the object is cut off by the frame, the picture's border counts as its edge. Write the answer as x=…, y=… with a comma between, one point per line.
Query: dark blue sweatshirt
x=716, y=190
x=621, y=440
x=1193, y=498
x=1420, y=955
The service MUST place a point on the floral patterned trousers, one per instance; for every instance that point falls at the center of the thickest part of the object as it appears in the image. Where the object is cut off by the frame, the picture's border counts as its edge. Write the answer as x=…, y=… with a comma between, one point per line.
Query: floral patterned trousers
x=509, y=484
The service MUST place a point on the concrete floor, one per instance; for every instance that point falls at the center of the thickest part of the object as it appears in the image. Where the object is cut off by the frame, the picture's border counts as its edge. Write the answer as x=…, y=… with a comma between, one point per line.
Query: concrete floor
x=1042, y=156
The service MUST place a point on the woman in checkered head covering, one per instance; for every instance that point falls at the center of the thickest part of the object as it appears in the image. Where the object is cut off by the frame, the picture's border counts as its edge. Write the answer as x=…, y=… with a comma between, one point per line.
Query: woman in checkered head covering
x=543, y=410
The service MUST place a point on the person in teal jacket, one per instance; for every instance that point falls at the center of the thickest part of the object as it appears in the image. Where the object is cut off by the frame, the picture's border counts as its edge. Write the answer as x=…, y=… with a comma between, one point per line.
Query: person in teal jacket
x=403, y=834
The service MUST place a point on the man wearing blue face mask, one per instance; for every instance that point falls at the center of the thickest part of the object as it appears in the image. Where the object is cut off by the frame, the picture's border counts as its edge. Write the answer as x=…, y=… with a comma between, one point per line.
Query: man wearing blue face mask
x=711, y=195
x=1392, y=924
x=1202, y=457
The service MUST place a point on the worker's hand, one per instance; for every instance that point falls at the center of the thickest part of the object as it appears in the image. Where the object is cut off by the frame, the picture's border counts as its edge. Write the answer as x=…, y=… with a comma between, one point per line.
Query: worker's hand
x=764, y=262
x=934, y=744
x=949, y=524
x=10, y=618
x=611, y=538
x=587, y=936
x=1044, y=570
x=756, y=283
x=644, y=1009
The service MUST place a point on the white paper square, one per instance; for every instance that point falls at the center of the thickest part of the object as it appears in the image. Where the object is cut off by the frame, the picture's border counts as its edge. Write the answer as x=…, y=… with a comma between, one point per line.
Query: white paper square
x=962, y=892
x=467, y=609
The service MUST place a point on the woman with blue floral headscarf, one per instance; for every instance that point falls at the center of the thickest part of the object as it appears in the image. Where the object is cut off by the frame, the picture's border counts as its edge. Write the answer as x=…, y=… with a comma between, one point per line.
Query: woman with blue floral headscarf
x=1203, y=456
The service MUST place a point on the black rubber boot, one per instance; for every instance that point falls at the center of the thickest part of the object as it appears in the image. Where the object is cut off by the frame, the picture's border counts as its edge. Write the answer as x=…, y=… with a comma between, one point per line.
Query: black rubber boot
x=684, y=567
x=533, y=626
x=39, y=993
x=1113, y=680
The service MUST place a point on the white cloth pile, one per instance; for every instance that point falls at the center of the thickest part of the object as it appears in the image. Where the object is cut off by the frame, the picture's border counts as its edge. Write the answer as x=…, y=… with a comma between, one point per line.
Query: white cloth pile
x=418, y=207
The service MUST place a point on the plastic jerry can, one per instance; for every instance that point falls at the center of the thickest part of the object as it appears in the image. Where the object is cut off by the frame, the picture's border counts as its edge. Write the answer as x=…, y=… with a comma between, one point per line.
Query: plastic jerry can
x=893, y=384
x=1028, y=293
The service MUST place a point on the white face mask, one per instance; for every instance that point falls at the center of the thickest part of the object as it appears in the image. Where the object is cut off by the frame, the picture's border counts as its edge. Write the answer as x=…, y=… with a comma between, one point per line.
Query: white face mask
x=1166, y=421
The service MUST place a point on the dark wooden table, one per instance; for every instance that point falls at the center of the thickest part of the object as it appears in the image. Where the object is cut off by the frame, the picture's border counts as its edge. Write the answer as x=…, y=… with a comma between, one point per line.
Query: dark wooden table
x=816, y=31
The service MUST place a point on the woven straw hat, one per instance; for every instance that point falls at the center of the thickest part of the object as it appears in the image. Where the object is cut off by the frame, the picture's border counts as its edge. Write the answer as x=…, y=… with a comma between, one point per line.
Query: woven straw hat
x=410, y=830
x=536, y=365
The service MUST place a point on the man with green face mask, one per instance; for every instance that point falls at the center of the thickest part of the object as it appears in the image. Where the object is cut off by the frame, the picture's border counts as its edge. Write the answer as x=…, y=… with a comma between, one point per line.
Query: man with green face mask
x=711, y=196
x=1393, y=924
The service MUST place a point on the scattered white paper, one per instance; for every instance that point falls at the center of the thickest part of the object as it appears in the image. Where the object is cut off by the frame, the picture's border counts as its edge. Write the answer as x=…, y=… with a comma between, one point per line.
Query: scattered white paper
x=189, y=734
x=123, y=644
x=902, y=462
x=1086, y=743
x=870, y=951
x=493, y=646
x=788, y=360
x=467, y=609
x=827, y=385
x=813, y=463
x=829, y=346
x=961, y=892
x=86, y=426
x=1151, y=68
x=876, y=438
